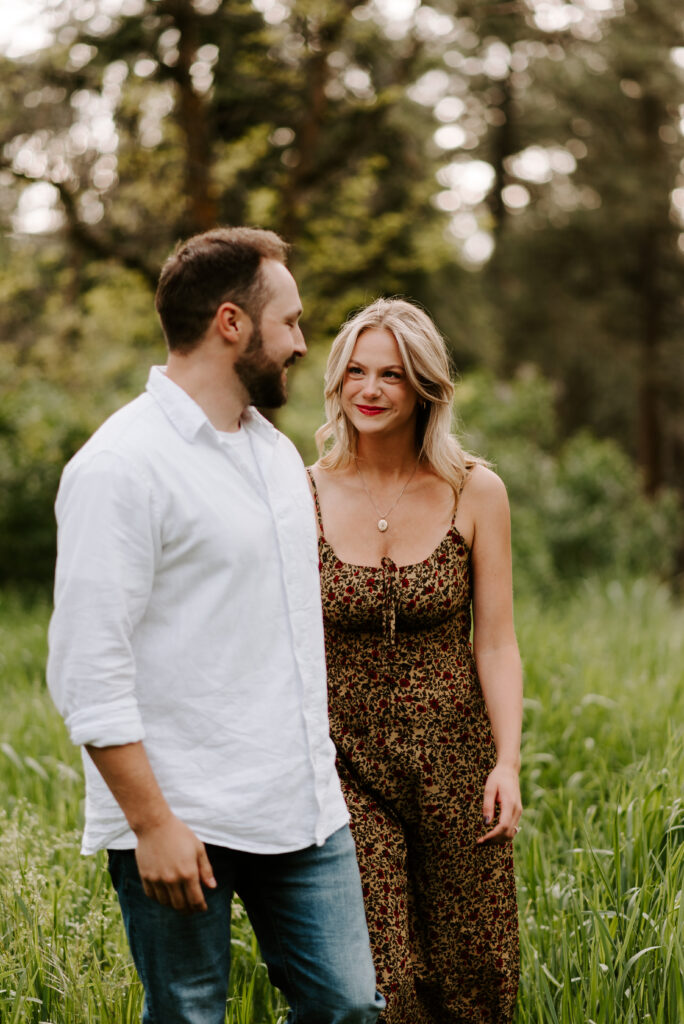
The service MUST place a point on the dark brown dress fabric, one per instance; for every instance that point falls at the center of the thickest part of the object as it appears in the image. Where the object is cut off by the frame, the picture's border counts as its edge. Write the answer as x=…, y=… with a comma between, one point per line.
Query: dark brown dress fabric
x=414, y=748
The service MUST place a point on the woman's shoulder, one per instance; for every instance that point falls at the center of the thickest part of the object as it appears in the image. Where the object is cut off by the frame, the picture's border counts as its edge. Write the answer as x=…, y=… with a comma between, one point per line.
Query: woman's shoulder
x=315, y=471
x=482, y=484
x=325, y=476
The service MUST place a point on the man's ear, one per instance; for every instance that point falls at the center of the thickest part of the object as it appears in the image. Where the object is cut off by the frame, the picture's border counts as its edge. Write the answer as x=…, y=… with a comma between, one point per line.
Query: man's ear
x=232, y=322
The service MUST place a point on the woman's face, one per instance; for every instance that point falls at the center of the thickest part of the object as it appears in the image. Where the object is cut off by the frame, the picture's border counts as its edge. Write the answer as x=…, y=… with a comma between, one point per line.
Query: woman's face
x=376, y=394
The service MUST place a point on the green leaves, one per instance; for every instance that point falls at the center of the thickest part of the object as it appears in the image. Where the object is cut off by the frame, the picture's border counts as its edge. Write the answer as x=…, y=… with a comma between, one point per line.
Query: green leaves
x=577, y=505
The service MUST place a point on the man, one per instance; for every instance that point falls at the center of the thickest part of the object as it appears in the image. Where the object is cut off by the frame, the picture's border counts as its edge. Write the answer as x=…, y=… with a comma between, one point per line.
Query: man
x=186, y=656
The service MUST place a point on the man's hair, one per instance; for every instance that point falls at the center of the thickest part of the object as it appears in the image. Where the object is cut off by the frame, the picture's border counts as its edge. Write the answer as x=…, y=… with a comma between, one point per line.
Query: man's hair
x=221, y=265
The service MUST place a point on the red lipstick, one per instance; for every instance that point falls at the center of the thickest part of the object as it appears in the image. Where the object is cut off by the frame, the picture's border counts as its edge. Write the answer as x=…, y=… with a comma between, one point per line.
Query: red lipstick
x=370, y=410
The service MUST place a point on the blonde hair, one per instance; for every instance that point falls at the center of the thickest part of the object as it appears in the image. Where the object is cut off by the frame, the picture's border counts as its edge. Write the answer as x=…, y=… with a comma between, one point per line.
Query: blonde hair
x=426, y=362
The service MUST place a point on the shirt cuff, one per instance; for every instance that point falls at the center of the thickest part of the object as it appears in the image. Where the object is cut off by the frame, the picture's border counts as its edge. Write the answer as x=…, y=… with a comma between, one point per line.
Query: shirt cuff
x=121, y=725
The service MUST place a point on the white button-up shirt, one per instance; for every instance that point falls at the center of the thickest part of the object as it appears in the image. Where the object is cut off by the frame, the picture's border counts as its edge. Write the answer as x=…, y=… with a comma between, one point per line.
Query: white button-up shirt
x=187, y=615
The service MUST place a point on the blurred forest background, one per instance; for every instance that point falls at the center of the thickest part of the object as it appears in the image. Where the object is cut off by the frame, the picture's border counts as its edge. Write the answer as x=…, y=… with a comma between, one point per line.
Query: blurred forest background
x=515, y=166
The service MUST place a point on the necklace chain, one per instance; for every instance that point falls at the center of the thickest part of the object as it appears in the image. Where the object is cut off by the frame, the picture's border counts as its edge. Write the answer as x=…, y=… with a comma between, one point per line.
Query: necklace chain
x=382, y=521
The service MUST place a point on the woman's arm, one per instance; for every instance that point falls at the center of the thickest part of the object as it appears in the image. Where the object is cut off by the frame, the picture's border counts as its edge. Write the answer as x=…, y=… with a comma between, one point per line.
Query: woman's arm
x=495, y=647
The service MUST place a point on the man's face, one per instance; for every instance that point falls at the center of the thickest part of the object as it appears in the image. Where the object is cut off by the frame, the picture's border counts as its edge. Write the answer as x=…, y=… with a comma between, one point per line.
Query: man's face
x=275, y=342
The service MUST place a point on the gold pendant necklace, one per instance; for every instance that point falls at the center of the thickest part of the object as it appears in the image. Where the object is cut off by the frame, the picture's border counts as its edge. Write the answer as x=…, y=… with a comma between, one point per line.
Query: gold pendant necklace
x=382, y=521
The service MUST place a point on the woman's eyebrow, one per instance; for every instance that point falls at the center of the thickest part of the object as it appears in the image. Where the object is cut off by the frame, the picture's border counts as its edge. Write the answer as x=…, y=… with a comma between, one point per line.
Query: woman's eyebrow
x=390, y=366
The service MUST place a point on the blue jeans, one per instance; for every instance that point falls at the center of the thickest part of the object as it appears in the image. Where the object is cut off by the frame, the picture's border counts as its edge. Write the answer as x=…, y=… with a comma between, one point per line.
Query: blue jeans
x=306, y=909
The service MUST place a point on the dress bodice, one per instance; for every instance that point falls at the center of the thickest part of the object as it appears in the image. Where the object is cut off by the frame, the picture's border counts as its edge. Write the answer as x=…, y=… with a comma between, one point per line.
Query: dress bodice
x=391, y=599
x=387, y=599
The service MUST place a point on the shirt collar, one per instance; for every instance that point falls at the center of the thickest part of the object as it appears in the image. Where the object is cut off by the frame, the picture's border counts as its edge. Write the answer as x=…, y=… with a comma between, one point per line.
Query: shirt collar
x=188, y=418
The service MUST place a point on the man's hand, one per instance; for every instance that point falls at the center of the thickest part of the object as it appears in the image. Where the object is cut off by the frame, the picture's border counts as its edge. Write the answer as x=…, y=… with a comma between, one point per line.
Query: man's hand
x=172, y=862
x=173, y=865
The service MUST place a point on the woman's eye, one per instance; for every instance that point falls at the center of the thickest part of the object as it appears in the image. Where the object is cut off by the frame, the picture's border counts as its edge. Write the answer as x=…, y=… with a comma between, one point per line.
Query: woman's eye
x=354, y=371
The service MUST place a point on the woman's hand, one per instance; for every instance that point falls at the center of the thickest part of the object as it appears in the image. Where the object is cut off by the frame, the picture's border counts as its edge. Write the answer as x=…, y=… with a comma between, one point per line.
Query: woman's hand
x=502, y=789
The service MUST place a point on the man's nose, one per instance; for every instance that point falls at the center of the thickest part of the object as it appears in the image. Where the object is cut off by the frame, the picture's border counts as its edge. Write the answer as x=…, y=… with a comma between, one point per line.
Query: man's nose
x=300, y=343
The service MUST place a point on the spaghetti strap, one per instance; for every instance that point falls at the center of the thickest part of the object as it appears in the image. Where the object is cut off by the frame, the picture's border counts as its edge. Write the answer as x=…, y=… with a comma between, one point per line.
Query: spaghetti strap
x=464, y=481
x=319, y=517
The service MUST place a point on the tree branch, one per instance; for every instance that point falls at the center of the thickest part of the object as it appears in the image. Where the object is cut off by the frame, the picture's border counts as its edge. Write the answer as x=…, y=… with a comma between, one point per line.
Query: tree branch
x=90, y=241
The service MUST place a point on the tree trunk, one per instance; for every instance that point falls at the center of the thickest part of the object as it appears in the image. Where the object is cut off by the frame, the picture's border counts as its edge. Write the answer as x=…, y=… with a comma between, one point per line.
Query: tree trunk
x=649, y=430
x=501, y=146
x=192, y=114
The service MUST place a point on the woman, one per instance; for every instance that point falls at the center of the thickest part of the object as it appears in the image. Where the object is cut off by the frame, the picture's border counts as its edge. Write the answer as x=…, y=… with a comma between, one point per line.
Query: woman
x=412, y=530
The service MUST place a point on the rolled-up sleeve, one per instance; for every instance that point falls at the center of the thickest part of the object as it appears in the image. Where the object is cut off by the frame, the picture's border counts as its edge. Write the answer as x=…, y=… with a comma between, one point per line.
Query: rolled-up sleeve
x=107, y=543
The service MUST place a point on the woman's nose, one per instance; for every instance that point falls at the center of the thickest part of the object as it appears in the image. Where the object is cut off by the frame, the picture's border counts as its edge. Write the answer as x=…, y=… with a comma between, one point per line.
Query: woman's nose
x=371, y=385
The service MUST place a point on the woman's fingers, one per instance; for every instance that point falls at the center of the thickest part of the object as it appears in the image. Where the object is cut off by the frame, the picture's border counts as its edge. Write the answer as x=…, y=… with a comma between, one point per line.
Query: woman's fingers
x=507, y=797
x=489, y=801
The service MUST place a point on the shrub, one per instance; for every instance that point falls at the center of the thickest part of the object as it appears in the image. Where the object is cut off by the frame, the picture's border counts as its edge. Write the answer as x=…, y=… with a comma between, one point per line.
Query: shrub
x=80, y=363
x=577, y=506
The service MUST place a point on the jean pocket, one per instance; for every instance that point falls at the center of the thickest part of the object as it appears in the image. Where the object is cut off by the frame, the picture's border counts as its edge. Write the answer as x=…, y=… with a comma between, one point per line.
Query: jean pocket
x=119, y=866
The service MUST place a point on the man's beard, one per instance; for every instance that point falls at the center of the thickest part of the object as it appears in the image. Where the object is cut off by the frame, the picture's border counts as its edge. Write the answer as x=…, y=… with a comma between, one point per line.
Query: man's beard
x=261, y=377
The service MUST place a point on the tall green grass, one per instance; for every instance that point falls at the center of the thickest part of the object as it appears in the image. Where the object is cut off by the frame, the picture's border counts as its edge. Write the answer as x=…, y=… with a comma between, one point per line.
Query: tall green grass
x=600, y=857
x=601, y=862
x=63, y=953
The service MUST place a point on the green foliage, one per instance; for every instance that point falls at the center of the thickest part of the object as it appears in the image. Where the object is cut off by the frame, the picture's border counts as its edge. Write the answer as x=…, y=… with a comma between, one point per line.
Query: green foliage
x=585, y=277
x=39, y=430
x=600, y=858
x=321, y=126
x=577, y=506
x=303, y=126
x=78, y=362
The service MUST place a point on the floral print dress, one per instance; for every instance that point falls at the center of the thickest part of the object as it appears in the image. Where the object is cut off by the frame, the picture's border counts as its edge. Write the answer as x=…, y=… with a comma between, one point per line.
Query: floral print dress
x=414, y=748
